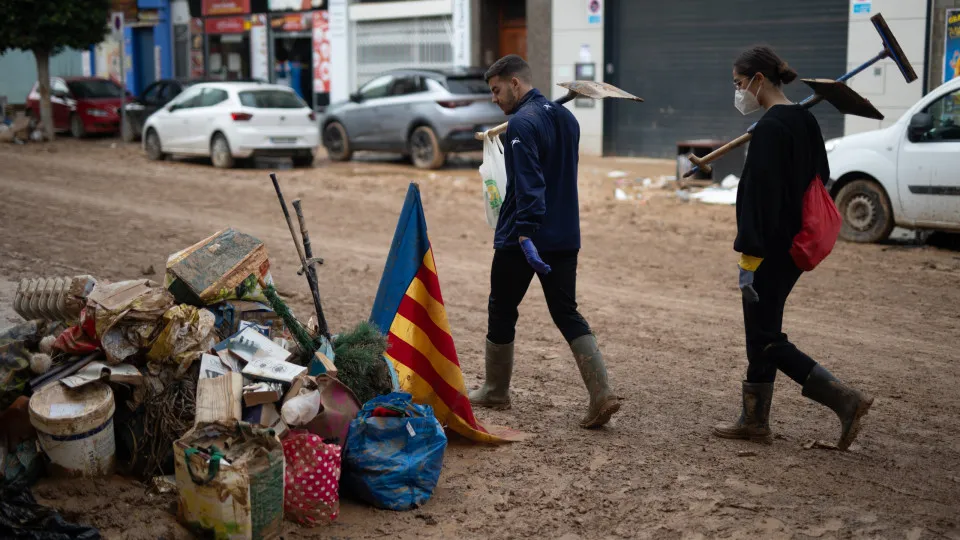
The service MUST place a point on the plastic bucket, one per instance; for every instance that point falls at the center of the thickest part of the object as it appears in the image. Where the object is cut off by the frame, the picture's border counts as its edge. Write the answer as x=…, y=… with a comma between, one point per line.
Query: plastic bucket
x=75, y=428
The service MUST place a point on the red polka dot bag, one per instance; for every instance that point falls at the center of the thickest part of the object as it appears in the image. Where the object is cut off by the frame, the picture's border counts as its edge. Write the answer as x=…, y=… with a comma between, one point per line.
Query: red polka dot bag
x=312, y=479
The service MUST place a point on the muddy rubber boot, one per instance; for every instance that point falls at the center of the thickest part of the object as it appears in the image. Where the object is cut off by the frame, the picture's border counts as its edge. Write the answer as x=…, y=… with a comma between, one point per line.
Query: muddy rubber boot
x=495, y=392
x=603, y=403
x=754, y=421
x=849, y=404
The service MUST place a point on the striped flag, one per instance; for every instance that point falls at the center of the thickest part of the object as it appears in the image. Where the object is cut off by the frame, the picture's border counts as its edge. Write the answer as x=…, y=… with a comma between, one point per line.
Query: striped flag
x=409, y=310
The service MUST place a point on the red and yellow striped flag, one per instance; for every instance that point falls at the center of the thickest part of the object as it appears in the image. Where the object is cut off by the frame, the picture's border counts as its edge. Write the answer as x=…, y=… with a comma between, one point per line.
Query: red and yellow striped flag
x=409, y=309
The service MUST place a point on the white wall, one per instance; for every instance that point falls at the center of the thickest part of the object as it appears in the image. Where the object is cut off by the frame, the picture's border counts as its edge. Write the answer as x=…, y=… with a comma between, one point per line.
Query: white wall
x=882, y=83
x=571, y=30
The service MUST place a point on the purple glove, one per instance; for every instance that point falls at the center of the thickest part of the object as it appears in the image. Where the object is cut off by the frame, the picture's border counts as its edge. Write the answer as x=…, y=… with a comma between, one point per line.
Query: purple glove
x=746, y=287
x=530, y=252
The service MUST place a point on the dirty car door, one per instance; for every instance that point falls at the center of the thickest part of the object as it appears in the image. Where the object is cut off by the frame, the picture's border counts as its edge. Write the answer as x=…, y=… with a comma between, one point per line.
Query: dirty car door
x=364, y=124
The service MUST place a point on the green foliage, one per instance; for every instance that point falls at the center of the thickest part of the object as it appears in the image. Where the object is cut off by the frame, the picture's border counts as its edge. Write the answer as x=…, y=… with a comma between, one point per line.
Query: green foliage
x=360, y=363
x=49, y=26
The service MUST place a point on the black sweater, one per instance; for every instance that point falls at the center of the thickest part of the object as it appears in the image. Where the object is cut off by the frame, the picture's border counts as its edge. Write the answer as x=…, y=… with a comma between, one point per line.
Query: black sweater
x=786, y=153
x=541, y=151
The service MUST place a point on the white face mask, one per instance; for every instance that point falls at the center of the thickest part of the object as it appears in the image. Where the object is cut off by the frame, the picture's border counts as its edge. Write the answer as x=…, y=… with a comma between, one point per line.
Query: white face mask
x=745, y=101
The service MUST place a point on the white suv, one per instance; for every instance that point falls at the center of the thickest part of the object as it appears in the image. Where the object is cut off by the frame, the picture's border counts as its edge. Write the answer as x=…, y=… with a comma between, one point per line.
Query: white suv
x=232, y=120
x=907, y=174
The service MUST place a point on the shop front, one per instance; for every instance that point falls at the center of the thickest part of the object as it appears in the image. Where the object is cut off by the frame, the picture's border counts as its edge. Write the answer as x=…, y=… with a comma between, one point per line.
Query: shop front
x=286, y=42
x=228, y=48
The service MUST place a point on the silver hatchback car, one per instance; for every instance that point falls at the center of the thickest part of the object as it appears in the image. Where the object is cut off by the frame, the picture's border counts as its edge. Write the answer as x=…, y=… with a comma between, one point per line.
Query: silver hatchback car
x=422, y=114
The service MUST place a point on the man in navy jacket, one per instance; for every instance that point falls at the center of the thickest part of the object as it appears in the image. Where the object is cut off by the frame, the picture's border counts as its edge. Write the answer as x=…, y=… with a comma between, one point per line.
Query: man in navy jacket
x=538, y=231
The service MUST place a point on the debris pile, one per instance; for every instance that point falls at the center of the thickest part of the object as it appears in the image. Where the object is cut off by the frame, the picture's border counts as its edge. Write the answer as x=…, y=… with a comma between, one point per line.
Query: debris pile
x=207, y=381
x=725, y=193
x=18, y=131
x=638, y=189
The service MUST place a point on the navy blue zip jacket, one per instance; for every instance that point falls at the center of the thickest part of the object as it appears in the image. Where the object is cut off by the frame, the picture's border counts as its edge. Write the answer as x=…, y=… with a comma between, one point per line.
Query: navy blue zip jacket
x=541, y=151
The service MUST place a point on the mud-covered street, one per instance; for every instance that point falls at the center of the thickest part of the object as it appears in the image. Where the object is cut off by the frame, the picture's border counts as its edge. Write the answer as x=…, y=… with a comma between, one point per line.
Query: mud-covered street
x=657, y=282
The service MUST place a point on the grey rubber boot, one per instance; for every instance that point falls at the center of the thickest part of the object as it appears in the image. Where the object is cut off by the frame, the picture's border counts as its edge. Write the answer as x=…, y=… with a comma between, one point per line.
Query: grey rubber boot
x=754, y=421
x=495, y=392
x=603, y=403
x=849, y=404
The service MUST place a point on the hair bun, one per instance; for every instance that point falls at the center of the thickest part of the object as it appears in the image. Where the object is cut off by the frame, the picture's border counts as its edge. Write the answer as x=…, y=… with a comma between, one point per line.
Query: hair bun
x=787, y=74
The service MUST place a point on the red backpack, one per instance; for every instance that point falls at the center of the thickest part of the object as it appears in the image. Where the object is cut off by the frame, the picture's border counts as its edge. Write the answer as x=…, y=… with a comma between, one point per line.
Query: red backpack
x=819, y=230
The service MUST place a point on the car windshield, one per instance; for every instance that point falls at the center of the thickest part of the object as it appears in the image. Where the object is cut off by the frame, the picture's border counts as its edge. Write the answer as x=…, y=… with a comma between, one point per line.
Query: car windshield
x=271, y=99
x=473, y=85
x=94, y=89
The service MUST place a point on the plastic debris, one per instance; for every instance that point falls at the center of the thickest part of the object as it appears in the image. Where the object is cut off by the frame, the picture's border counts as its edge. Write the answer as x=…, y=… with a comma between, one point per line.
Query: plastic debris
x=716, y=195
x=394, y=462
x=21, y=516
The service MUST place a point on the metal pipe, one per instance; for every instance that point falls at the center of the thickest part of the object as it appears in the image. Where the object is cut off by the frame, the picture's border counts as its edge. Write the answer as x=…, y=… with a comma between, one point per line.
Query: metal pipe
x=883, y=54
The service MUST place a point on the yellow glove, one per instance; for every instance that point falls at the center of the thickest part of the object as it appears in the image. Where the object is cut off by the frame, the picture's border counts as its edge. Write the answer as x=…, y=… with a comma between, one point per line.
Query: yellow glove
x=750, y=264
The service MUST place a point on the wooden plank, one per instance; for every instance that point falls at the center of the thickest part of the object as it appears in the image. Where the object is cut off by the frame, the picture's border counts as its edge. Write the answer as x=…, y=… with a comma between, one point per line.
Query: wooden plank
x=329, y=367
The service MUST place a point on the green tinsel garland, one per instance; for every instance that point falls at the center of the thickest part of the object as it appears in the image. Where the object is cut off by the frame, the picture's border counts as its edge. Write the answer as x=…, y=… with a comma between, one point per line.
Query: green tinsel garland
x=358, y=354
x=308, y=344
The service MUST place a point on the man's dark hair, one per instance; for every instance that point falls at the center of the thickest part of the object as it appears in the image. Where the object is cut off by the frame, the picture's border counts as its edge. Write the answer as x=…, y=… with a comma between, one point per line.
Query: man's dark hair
x=508, y=67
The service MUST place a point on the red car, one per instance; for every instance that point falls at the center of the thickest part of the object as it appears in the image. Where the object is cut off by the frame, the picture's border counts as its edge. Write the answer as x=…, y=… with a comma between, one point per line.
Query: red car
x=81, y=105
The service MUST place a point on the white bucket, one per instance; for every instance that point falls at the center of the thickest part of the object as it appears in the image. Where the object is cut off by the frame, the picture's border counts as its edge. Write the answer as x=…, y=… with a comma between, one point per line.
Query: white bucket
x=75, y=428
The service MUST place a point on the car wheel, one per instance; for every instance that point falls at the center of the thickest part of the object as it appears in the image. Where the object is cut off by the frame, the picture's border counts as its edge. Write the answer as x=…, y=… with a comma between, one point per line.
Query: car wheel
x=128, y=133
x=220, y=152
x=336, y=142
x=425, y=149
x=153, y=147
x=303, y=161
x=76, y=127
x=866, y=211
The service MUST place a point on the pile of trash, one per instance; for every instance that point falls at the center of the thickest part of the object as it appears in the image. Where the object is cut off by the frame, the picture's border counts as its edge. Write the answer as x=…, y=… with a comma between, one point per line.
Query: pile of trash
x=207, y=381
x=636, y=190
x=725, y=193
x=19, y=130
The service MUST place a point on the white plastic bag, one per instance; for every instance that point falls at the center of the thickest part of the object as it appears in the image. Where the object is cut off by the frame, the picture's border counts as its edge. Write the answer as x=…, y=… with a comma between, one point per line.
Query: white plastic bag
x=300, y=410
x=493, y=172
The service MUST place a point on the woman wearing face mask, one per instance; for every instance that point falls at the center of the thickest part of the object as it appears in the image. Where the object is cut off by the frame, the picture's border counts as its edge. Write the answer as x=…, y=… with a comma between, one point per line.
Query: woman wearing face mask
x=786, y=153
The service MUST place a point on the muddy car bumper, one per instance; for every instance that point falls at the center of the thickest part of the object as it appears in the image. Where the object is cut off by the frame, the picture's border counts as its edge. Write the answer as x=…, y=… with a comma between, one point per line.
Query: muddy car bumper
x=462, y=140
x=101, y=127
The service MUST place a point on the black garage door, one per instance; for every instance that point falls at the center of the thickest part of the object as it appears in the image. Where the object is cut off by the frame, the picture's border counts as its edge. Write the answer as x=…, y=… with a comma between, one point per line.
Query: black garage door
x=679, y=57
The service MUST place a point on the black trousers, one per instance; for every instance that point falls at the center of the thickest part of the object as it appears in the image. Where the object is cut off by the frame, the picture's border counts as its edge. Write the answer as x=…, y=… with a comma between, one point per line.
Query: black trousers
x=768, y=348
x=510, y=277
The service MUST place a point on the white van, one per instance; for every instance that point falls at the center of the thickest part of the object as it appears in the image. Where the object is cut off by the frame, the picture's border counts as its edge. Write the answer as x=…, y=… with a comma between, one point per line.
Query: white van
x=906, y=175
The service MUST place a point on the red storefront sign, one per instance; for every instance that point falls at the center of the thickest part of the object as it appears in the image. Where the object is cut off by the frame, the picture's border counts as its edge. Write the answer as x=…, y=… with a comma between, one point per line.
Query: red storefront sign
x=321, y=52
x=294, y=22
x=225, y=7
x=225, y=25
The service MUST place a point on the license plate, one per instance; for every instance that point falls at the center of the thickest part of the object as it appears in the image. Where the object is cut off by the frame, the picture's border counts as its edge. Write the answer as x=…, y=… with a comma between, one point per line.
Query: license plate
x=283, y=140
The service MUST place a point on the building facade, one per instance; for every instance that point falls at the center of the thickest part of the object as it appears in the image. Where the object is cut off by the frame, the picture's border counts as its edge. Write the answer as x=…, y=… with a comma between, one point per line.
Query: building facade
x=147, y=45
x=679, y=58
x=281, y=41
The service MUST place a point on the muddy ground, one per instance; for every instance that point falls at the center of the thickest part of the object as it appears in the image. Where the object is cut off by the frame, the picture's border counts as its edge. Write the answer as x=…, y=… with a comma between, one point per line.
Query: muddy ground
x=657, y=283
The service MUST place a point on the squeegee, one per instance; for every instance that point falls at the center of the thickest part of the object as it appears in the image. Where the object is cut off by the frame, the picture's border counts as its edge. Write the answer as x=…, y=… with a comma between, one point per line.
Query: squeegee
x=836, y=92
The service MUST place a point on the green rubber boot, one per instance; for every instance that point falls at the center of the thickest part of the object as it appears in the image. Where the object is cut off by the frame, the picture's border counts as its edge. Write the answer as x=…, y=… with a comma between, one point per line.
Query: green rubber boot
x=495, y=392
x=850, y=404
x=754, y=421
x=603, y=402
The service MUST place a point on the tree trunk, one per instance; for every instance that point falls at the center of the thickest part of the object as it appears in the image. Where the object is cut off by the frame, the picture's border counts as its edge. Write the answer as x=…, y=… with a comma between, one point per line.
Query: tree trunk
x=43, y=76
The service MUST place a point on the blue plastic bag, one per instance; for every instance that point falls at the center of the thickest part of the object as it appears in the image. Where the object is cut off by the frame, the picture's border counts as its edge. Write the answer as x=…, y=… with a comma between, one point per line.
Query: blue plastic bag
x=393, y=462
